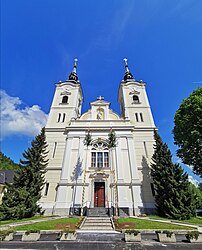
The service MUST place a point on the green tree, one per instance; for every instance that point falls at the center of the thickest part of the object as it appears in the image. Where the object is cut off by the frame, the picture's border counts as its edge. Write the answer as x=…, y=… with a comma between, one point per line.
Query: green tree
x=187, y=131
x=6, y=163
x=88, y=139
x=20, y=200
x=200, y=186
x=111, y=141
x=197, y=193
x=173, y=196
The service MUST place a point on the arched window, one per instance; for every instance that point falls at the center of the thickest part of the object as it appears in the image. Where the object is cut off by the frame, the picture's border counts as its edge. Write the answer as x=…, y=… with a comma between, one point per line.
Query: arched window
x=135, y=99
x=65, y=99
x=99, y=155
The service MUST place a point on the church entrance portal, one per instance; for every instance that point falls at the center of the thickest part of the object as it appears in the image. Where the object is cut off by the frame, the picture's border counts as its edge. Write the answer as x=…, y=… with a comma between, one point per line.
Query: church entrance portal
x=99, y=194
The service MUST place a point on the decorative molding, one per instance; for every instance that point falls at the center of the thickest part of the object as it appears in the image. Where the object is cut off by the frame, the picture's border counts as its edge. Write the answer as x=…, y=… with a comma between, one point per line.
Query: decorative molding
x=129, y=184
x=65, y=91
x=133, y=91
x=99, y=175
x=54, y=168
x=70, y=184
x=55, y=129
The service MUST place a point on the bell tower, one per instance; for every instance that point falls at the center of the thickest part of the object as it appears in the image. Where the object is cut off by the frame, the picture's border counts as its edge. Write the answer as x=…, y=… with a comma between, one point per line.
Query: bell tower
x=133, y=101
x=67, y=101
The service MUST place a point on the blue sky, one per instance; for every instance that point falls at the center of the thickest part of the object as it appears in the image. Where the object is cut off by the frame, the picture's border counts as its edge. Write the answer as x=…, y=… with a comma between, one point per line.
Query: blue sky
x=40, y=38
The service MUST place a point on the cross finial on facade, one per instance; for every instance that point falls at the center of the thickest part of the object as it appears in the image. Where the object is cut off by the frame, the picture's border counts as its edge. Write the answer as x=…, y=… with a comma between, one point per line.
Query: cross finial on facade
x=100, y=98
x=73, y=75
x=75, y=61
x=75, y=64
x=126, y=61
x=126, y=64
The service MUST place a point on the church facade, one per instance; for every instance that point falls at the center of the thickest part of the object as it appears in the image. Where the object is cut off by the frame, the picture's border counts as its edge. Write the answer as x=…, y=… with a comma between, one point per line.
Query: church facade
x=84, y=172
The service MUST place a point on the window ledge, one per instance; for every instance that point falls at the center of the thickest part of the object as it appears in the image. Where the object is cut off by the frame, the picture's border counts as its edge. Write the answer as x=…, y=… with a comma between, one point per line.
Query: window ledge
x=136, y=103
x=99, y=169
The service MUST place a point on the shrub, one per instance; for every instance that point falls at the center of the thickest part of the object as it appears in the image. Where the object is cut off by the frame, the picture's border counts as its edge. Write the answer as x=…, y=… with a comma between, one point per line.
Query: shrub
x=192, y=235
x=4, y=233
x=32, y=231
x=132, y=231
x=168, y=233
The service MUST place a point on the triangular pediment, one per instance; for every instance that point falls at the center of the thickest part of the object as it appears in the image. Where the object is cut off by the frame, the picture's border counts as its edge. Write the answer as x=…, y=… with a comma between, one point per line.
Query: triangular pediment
x=100, y=101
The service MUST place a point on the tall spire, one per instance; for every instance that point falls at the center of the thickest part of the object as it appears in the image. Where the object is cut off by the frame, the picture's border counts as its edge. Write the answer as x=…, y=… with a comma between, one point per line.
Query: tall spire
x=73, y=76
x=128, y=75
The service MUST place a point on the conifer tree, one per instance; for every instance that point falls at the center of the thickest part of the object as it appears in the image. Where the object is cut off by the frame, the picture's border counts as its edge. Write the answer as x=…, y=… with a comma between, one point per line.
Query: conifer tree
x=6, y=163
x=173, y=195
x=88, y=139
x=20, y=200
x=112, y=141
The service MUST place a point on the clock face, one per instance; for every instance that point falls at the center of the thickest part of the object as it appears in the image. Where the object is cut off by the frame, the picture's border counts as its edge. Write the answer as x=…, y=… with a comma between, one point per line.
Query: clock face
x=65, y=91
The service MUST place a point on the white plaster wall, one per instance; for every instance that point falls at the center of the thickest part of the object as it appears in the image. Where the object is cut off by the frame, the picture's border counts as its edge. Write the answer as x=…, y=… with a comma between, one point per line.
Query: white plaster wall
x=131, y=171
x=74, y=94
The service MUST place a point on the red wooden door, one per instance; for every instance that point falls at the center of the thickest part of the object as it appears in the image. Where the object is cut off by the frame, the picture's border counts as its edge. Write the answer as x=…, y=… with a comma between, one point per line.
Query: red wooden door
x=99, y=194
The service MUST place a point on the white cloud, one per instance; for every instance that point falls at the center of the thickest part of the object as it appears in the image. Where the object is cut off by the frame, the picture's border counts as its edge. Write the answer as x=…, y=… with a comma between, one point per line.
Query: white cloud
x=193, y=181
x=18, y=120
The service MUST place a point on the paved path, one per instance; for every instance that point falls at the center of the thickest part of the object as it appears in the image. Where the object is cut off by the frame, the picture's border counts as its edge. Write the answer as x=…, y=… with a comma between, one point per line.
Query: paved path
x=98, y=246
x=199, y=228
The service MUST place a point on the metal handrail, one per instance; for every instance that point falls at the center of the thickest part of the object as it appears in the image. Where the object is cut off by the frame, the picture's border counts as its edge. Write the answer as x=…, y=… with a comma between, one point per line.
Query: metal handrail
x=114, y=205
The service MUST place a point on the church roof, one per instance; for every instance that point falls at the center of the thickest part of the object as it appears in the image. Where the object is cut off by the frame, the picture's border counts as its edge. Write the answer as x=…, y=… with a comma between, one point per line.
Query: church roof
x=73, y=75
x=100, y=101
x=128, y=75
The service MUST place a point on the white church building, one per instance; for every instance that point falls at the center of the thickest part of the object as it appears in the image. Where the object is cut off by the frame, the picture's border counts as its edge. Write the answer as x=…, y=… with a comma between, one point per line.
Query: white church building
x=80, y=178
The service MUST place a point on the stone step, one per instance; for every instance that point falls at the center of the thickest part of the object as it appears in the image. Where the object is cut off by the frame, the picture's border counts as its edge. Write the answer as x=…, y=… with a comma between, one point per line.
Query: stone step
x=98, y=228
x=99, y=219
x=97, y=223
x=98, y=212
x=96, y=237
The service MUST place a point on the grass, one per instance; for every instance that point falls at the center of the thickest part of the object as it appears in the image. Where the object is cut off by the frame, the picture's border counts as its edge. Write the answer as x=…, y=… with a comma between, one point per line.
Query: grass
x=48, y=225
x=134, y=223
x=194, y=220
x=4, y=222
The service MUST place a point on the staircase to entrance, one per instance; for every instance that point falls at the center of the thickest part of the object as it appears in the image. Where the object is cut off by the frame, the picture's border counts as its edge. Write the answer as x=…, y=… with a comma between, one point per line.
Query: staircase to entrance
x=97, y=224
x=98, y=220
x=98, y=212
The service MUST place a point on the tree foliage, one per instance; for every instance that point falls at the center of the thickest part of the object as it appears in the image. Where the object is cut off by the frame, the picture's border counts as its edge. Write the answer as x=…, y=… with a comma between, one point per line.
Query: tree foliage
x=111, y=141
x=88, y=139
x=173, y=195
x=188, y=131
x=20, y=200
x=200, y=186
x=198, y=194
x=6, y=163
